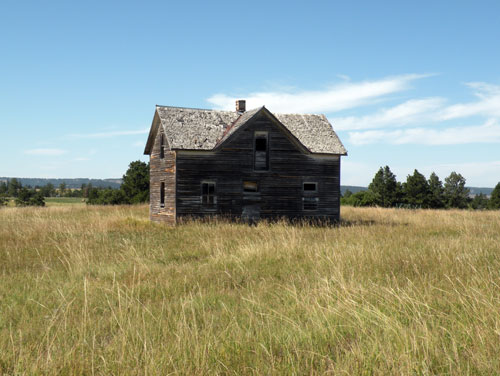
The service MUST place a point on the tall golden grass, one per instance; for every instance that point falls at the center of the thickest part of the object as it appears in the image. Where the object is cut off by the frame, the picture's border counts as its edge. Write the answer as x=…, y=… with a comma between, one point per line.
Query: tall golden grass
x=101, y=290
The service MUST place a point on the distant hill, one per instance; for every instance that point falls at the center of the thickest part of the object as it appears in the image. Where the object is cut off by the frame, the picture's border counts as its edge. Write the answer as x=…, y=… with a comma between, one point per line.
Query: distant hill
x=474, y=191
x=70, y=183
x=352, y=188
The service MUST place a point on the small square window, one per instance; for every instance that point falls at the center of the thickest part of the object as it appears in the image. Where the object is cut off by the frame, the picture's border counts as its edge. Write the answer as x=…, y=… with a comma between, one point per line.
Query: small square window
x=310, y=187
x=250, y=187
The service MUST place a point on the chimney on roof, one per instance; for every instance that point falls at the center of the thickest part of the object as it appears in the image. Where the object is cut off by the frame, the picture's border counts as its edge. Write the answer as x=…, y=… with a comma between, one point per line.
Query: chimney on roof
x=240, y=105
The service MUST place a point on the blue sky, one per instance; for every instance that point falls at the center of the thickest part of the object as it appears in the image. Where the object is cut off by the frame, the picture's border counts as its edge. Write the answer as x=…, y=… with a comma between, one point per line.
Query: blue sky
x=405, y=84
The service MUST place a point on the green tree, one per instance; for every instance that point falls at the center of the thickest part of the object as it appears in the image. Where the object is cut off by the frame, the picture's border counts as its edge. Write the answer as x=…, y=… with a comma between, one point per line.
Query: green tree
x=436, y=192
x=455, y=193
x=136, y=182
x=3, y=188
x=14, y=187
x=28, y=197
x=416, y=190
x=495, y=198
x=47, y=190
x=3, y=199
x=62, y=189
x=385, y=189
x=480, y=202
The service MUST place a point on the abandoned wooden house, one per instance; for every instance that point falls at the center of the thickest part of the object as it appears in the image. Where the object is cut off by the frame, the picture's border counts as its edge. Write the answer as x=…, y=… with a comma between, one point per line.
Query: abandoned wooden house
x=245, y=164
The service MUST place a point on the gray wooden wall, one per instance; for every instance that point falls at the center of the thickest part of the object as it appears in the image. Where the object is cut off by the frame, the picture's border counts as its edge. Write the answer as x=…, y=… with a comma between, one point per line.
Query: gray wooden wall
x=280, y=188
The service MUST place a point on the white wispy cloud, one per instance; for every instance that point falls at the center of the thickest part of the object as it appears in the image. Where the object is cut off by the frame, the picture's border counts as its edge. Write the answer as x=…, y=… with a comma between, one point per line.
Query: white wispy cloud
x=139, y=144
x=489, y=132
x=334, y=98
x=488, y=104
x=427, y=111
x=45, y=152
x=110, y=134
x=410, y=112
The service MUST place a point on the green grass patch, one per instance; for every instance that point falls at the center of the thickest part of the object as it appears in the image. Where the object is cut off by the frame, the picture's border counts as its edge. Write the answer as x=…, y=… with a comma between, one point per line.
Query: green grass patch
x=62, y=201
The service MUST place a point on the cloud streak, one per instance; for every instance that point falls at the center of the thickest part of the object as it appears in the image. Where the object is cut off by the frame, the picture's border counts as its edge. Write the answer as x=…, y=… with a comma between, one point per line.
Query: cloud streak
x=45, y=152
x=489, y=132
x=334, y=98
x=410, y=112
x=110, y=134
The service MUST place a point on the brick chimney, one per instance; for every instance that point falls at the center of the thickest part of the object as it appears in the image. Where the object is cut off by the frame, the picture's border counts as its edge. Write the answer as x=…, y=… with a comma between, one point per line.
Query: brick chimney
x=240, y=105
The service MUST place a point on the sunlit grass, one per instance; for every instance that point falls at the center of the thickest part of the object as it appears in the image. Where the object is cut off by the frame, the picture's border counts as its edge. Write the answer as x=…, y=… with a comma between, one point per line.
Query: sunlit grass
x=101, y=290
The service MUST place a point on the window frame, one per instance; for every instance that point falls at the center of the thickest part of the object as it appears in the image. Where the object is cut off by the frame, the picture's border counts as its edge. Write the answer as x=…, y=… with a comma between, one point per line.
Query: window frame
x=315, y=191
x=310, y=196
x=205, y=197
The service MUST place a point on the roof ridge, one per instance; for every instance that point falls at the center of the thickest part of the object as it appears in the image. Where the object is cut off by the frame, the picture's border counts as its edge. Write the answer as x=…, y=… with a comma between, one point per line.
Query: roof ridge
x=193, y=108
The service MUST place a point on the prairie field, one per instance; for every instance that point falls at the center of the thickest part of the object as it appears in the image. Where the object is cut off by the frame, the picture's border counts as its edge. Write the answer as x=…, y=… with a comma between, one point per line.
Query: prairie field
x=102, y=290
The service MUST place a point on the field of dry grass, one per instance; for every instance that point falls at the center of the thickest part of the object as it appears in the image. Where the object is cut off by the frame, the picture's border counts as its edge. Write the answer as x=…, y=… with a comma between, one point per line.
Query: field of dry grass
x=101, y=290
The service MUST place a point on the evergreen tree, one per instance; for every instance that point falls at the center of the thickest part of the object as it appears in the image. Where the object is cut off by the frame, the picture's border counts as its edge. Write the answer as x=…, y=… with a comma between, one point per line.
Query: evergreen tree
x=455, y=193
x=62, y=189
x=436, y=192
x=47, y=190
x=14, y=187
x=416, y=190
x=136, y=182
x=3, y=188
x=385, y=189
x=28, y=197
x=480, y=202
x=495, y=198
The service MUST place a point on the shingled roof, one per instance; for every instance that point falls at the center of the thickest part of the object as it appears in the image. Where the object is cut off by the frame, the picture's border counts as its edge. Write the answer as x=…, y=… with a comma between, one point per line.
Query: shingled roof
x=197, y=129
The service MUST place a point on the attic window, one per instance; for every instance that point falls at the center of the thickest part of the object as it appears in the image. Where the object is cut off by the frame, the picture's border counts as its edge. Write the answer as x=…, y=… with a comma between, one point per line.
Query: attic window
x=261, y=151
x=162, y=146
x=208, y=195
x=162, y=195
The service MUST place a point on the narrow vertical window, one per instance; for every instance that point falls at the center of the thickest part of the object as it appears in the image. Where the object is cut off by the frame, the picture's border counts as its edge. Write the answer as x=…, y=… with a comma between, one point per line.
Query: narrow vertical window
x=208, y=194
x=310, y=197
x=162, y=195
x=162, y=146
x=261, y=151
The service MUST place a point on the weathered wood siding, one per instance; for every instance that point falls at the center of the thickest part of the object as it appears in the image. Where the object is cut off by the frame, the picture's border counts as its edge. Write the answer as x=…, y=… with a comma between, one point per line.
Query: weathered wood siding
x=162, y=170
x=280, y=188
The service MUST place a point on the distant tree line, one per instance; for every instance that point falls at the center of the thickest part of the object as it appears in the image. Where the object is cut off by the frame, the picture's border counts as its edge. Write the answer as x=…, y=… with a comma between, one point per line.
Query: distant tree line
x=23, y=196
x=419, y=192
x=133, y=190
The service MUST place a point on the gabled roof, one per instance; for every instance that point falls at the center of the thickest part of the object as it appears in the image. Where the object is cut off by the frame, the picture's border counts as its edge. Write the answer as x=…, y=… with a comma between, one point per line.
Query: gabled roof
x=197, y=129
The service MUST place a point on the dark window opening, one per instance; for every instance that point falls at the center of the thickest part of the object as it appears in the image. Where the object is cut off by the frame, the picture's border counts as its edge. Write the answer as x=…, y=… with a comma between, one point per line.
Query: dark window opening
x=310, y=187
x=208, y=195
x=261, y=151
x=162, y=147
x=162, y=195
x=250, y=187
x=260, y=144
